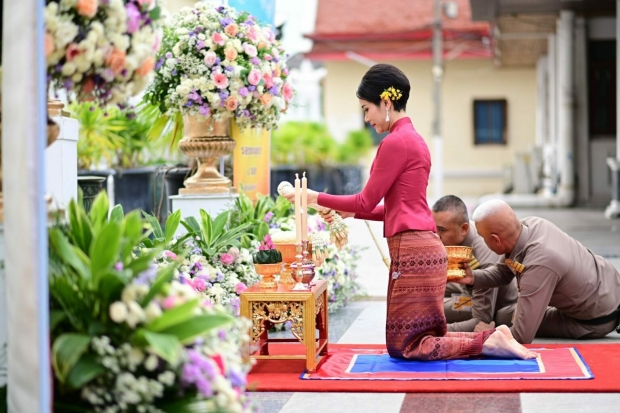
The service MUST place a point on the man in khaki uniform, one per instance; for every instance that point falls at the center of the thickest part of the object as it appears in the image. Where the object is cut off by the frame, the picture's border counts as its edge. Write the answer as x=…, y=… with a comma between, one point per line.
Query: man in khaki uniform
x=565, y=290
x=454, y=228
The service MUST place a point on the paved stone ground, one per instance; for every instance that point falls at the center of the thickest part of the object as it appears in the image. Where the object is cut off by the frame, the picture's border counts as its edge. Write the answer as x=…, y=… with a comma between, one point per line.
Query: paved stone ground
x=362, y=322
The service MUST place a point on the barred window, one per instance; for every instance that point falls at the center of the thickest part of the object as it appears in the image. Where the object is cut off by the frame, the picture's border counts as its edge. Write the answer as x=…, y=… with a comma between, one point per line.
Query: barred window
x=490, y=122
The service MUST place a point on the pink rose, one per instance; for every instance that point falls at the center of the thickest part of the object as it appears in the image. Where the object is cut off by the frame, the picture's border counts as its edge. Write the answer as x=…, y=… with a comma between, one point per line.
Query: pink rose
x=287, y=92
x=234, y=251
x=144, y=70
x=250, y=50
x=199, y=284
x=49, y=44
x=116, y=61
x=227, y=259
x=87, y=8
x=230, y=53
x=169, y=302
x=240, y=287
x=268, y=80
x=231, y=30
x=265, y=99
x=170, y=254
x=231, y=104
x=267, y=57
x=133, y=18
x=254, y=77
x=72, y=52
x=252, y=34
x=149, y=3
x=218, y=39
x=210, y=58
x=220, y=80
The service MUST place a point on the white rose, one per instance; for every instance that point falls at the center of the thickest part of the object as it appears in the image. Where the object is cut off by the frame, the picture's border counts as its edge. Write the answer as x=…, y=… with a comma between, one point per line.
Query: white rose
x=152, y=311
x=217, y=290
x=65, y=34
x=214, y=99
x=182, y=31
x=118, y=312
x=201, y=36
x=151, y=363
x=68, y=69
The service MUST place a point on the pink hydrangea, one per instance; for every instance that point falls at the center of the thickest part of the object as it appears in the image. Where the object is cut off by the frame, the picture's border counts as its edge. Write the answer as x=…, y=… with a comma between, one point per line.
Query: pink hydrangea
x=227, y=259
x=199, y=284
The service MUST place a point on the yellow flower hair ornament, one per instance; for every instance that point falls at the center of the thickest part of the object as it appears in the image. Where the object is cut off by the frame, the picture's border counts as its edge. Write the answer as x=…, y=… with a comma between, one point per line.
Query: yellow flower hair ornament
x=391, y=94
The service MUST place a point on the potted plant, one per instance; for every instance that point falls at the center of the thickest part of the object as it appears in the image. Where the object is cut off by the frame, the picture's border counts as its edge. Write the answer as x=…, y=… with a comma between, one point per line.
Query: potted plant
x=268, y=262
x=215, y=65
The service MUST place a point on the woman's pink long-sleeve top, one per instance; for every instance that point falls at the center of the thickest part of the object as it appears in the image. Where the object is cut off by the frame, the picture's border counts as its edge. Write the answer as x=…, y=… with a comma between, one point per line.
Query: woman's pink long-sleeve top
x=399, y=175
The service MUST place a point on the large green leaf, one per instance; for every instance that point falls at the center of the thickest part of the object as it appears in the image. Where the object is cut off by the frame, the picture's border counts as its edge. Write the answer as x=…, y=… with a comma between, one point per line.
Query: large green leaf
x=197, y=326
x=144, y=261
x=165, y=346
x=56, y=317
x=207, y=227
x=110, y=287
x=86, y=369
x=154, y=224
x=117, y=213
x=174, y=316
x=132, y=231
x=172, y=224
x=67, y=253
x=104, y=251
x=191, y=225
x=219, y=223
x=80, y=228
x=98, y=213
x=66, y=351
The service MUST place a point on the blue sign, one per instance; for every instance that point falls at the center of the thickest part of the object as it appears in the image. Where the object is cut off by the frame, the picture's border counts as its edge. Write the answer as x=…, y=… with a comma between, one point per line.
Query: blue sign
x=263, y=11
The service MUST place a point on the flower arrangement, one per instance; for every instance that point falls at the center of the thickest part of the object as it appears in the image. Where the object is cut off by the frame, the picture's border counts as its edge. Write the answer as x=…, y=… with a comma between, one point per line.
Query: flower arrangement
x=101, y=50
x=267, y=252
x=217, y=62
x=127, y=336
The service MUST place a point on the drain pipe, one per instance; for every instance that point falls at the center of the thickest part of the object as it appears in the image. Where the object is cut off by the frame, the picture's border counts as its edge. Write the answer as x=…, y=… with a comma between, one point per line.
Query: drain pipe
x=565, y=194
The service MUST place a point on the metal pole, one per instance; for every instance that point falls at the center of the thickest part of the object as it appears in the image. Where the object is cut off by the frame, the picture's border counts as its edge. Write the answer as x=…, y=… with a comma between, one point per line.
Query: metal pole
x=437, y=71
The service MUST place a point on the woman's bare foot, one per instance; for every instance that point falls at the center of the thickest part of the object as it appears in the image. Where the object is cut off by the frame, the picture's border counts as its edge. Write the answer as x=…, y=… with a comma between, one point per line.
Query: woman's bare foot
x=498, y=345
x=506, y=331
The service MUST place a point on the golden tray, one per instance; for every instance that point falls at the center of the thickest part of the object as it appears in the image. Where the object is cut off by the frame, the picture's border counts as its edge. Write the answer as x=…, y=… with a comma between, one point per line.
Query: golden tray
x=458, y=254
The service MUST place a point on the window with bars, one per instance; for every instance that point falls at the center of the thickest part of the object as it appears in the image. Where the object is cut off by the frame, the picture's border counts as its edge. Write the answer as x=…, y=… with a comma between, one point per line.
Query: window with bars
x=490, y=121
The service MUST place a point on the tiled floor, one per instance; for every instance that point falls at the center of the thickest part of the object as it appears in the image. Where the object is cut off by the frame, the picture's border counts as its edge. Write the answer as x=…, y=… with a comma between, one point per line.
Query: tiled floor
x=362, y=322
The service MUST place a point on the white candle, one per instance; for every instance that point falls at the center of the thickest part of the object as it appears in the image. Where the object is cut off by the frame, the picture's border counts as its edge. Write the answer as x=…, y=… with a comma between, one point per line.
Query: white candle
x=304, y=208
x=297, y=210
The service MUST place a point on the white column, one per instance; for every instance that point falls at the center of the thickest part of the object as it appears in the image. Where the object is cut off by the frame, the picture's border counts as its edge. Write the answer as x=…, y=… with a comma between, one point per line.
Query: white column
x=613, y=209
x=566, y=155
x=24, y=108
x=549, y=161
x=61, y=164
x=582, y=133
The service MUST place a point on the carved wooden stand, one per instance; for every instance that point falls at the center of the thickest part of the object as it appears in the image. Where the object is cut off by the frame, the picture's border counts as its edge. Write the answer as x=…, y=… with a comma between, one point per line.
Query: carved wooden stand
x=307, y=311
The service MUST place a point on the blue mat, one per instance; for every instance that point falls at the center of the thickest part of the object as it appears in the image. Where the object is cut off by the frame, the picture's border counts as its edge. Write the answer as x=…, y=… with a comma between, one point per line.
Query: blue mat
x=385, y=364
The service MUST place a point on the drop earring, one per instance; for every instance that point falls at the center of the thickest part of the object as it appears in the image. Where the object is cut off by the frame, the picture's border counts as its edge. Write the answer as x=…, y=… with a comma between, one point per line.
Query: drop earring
x=387, y=115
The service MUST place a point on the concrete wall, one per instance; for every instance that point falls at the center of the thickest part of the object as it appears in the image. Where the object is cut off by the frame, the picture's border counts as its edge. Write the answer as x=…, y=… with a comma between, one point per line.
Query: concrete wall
x=469, y=170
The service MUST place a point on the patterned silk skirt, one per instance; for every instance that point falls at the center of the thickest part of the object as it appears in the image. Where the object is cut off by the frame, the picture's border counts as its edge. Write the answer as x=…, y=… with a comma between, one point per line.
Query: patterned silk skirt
x=416, y=325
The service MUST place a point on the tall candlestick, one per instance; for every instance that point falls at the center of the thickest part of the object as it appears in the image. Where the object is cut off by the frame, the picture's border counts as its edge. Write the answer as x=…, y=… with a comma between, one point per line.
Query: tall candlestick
x=304, y=208
x=297, y=210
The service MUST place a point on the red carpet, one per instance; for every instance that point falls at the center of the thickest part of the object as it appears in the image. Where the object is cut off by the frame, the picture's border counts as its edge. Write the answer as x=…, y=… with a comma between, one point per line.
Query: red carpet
x=284, y=375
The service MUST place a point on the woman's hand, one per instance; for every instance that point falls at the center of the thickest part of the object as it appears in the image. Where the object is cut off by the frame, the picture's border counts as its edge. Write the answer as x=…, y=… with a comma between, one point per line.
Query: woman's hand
x=313, y=197
x=329, y=218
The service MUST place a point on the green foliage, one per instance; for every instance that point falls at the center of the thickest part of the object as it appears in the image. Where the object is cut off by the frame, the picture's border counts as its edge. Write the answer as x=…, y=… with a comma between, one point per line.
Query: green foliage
x=164, y=130
x=309, y=143
x=302, y=143
x=215, y=235
x=356, y=145
x=86, y=277
x=267, y=257
x=247, y=212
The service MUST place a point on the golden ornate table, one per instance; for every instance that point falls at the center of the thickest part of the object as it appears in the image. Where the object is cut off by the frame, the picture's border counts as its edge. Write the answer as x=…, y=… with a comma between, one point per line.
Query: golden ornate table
x=307, y=311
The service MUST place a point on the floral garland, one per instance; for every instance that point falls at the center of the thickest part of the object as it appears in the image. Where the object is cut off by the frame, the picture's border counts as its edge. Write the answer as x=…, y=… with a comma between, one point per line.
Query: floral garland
x=101, y=50
x=217, y=62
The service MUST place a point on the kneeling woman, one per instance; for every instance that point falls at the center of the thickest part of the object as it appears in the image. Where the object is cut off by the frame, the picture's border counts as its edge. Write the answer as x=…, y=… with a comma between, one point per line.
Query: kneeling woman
x=416, y=324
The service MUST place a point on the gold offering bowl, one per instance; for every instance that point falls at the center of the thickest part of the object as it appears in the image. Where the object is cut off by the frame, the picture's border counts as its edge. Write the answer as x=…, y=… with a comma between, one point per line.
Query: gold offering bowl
x=267, y=273
x=457, y=255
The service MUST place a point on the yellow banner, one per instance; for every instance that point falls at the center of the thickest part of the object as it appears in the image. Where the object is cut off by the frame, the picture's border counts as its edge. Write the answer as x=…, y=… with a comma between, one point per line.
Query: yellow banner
x=251, y=160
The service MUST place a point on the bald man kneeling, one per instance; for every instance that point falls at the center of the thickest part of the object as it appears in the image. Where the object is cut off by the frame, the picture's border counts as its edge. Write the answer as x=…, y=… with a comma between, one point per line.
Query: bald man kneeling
x=565, y=290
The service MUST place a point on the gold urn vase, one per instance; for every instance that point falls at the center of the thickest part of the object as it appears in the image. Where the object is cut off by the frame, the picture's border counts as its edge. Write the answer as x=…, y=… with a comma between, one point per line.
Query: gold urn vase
x=457, y=255
x=206, y=140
